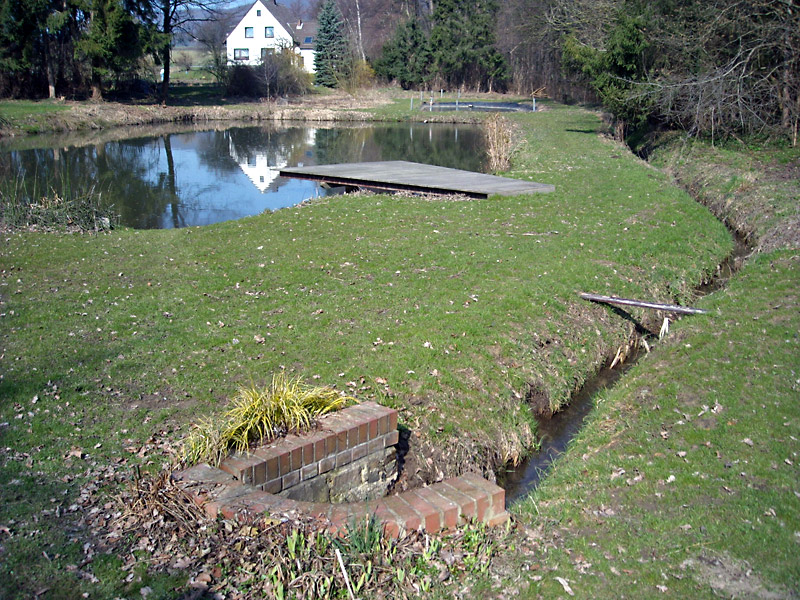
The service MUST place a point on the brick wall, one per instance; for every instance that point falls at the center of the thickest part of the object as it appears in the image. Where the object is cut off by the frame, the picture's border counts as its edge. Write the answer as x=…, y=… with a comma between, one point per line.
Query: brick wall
x=327, y=464
x=300, y=474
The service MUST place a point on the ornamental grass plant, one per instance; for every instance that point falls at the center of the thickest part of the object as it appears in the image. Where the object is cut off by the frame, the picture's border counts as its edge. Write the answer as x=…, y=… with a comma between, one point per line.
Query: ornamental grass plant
x=261, y=414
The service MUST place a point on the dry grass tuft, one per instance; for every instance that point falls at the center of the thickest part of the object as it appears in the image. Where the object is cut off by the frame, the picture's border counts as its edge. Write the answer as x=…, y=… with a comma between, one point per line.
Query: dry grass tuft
x=499, y=133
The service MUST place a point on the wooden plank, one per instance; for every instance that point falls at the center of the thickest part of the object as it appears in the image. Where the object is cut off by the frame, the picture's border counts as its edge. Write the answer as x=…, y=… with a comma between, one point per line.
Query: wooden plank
x=685, y=310
x=400, y=175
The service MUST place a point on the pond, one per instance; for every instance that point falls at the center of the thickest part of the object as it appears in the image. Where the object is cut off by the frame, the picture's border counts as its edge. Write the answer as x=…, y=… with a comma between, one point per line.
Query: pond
x=168, y=178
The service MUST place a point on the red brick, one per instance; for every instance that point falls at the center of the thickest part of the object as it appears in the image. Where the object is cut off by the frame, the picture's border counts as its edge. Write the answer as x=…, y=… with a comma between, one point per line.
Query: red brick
x=326, y=464
x=352, y=436
x=467, y=504
x=363, y=432
x=290, y=479
x=495, y=492
x=319, y=448
x=309, y=471
x=429, y=513
x=498, y=519
x=344, y=458
x=391, y=438
x=448, y=509
x=308, y=453
x=285, y=460
x=393, y=420
x=383, y=425
x=360, y=451
x=330, y=443
x=297, y=458
x=341, y=440
x=204, y=473
x=221, y=495
x=373, y=427
x=259, y=473
x=480, y=497
x=247, y=507
x=273, y=486
x=374, y=446
x=240, y=466
x=407, y=518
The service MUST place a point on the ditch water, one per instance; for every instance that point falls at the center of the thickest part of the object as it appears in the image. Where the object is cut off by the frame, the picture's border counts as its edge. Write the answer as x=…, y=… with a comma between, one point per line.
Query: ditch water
x=555, y=433
x=167, y=178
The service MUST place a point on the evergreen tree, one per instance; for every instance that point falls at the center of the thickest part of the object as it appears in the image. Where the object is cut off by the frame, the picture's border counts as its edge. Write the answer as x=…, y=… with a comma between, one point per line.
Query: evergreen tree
x=407, y=57
x=332, y=57
x=111, y=43
x=462, y=43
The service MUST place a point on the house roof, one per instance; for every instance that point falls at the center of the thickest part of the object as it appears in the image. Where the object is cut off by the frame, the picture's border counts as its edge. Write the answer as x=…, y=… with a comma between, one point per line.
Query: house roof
x=300, y=30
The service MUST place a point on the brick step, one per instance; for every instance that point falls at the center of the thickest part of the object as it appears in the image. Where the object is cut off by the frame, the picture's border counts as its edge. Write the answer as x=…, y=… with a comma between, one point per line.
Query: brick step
x=441, y=506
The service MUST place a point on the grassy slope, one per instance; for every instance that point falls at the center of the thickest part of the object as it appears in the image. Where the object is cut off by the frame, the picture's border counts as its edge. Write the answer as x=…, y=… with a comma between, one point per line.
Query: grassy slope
x=458, y=305
x=685, y=481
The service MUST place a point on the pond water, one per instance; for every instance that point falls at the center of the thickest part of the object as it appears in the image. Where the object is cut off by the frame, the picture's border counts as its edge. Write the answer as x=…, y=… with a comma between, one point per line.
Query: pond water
x=170, y=178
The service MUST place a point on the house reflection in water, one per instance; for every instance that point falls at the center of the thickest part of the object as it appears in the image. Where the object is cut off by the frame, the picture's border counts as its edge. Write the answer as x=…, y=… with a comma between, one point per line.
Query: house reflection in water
x=262, y=165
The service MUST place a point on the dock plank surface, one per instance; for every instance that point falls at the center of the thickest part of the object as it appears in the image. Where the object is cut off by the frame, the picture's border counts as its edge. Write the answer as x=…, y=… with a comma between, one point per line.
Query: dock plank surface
x=400, y=175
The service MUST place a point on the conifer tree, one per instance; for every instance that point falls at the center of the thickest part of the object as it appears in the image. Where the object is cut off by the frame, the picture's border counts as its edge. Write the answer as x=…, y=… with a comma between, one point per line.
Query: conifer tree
x=332, y=56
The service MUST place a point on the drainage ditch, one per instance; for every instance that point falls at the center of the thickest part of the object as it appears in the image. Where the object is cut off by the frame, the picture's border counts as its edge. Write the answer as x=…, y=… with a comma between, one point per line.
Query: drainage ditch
x=558, y=430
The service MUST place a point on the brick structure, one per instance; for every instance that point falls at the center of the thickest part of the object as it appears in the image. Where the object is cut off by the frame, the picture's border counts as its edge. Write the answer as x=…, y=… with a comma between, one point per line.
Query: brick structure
x=351, y=457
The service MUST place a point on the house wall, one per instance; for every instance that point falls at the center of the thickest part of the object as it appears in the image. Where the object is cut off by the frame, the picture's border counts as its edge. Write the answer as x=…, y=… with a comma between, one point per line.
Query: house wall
x=238, y=43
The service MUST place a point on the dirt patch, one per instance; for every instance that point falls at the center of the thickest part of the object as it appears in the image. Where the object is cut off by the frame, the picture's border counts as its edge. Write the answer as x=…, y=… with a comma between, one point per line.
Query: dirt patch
x=732, y=578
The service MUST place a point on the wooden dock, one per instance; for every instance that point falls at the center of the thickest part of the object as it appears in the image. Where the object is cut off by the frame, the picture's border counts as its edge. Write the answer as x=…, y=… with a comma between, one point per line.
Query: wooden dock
x=400, y=175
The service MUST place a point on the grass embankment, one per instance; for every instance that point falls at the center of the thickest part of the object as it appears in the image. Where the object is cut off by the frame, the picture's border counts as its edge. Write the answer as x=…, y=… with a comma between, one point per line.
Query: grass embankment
x=454, y=311
x=685, y=481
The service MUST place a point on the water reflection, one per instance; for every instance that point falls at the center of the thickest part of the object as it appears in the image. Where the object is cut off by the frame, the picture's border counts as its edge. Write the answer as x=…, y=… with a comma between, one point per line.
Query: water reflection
x=188, y=178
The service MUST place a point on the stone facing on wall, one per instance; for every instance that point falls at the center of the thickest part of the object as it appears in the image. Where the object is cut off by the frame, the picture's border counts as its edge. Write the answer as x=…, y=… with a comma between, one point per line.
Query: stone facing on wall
x=334, y=463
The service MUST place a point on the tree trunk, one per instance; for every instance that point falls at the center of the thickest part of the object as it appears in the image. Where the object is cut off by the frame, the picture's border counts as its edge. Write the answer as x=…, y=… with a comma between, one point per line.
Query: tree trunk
x=165, y=51
x=360, y=37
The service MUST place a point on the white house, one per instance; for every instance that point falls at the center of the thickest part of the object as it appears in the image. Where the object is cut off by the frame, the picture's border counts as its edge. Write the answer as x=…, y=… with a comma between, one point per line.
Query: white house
x=270, y=27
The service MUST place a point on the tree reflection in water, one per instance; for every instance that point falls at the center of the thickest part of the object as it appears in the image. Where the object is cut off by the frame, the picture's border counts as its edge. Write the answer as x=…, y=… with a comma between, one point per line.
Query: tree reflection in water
x=180, y=179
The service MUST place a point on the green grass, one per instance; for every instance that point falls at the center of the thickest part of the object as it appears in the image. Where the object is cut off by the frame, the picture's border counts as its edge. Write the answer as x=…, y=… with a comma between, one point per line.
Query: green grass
x=689, y=467
x=448, y=310
x=30, y=116
x=753, y=189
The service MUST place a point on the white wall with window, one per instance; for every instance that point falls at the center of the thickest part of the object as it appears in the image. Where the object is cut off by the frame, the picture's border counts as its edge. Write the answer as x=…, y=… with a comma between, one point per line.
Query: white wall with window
x=257, y=34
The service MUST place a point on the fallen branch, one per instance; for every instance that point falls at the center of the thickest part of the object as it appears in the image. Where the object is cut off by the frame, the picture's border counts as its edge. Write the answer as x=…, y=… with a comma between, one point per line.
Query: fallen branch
x=685, y=310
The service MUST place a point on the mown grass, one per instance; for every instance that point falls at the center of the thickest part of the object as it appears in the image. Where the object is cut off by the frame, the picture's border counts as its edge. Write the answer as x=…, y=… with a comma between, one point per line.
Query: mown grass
x=754, y=189
x=447, y=309
x=30, y=116
x=685, y=481
x=686, y=475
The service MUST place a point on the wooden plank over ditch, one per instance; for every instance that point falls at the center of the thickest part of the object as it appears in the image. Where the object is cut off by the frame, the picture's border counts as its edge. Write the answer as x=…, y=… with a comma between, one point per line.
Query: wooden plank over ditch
x=400, y=175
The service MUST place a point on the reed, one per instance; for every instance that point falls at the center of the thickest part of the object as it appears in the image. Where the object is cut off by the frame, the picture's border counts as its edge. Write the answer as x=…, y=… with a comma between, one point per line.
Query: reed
x=499, y=134
x=26, y=205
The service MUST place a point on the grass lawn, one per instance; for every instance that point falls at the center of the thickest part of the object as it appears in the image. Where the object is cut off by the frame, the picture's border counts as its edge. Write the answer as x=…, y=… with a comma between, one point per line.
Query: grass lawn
x=455, y=311
x=685, y=481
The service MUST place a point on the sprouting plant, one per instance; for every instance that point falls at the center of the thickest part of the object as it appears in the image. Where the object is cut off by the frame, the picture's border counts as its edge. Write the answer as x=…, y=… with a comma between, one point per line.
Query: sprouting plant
x=362, y=538
x=295, y=543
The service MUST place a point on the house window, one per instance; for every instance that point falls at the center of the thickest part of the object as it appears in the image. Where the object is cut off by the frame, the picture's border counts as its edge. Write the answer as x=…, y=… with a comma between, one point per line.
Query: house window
x=248, y=32
x=265, y=52
x=308, y=40
x=258, y=13
x=241, y=54
x=269, y=32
